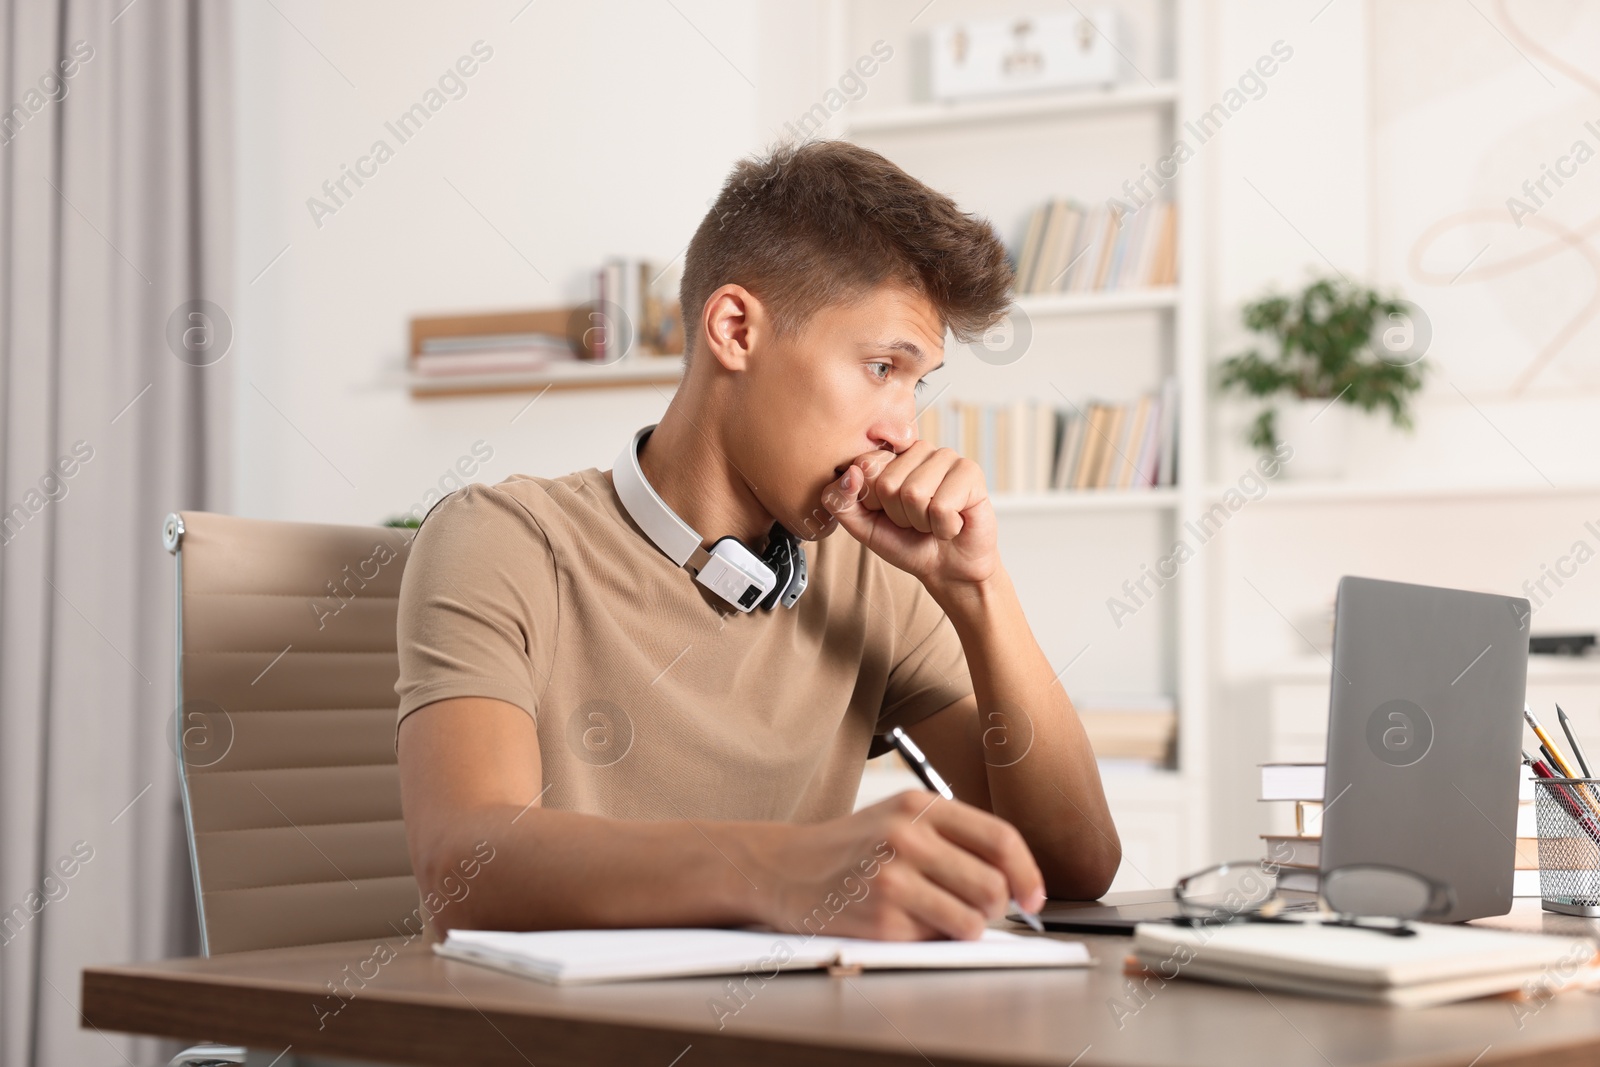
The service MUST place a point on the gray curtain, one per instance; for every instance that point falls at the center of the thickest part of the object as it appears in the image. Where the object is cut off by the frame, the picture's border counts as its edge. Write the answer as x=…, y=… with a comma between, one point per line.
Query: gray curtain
x=115, y=273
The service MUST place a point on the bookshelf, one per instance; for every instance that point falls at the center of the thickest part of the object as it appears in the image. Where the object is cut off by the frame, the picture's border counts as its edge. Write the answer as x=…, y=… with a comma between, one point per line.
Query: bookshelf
x=1082, y=144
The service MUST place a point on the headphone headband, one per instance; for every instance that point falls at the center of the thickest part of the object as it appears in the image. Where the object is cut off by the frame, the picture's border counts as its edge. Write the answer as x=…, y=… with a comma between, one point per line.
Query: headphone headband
x=729, y=568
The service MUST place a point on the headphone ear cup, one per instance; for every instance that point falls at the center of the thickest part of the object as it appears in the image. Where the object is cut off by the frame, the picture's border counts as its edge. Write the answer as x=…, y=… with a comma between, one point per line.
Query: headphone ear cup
x=797, y=581
x=779, y=556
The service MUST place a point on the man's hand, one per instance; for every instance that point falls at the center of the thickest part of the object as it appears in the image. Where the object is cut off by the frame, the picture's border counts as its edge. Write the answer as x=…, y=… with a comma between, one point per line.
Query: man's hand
x=912, y=867
x=926, y=511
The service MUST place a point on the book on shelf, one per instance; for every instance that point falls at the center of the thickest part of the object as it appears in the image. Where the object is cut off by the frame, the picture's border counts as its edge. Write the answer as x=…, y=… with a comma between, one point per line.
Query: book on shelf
x=1030, y=446
x=1292, y=781
x=491, y=354
x=1069, y=248
x=1130, y=726
x=644, y=293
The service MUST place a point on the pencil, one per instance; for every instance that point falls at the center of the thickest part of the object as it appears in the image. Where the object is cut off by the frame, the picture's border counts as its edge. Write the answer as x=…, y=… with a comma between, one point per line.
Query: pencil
x=1577, y=749
x=1561, y=763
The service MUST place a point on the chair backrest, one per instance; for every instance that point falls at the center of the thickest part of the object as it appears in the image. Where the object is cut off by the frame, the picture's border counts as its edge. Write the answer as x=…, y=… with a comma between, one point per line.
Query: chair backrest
x=284, y=732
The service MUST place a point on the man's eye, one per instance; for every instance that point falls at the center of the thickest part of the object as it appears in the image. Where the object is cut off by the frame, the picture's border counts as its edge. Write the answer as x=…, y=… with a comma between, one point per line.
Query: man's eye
x=922, y=385
x=886, y=368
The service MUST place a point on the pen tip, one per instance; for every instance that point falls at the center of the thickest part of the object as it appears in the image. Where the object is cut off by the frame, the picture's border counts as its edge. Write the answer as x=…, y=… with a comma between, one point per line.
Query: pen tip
x=1029, y=917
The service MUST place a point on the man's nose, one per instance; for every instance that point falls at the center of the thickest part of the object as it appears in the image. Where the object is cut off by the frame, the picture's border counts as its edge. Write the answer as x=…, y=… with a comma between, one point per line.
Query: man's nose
x=897, y=439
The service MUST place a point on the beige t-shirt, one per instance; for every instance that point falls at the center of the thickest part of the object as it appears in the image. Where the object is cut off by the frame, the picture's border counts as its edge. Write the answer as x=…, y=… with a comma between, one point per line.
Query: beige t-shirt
x=653, y=699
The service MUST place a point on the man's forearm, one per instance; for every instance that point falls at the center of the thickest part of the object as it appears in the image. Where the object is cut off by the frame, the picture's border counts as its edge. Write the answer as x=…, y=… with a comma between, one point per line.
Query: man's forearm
x=564, y=870
x=1042, y=774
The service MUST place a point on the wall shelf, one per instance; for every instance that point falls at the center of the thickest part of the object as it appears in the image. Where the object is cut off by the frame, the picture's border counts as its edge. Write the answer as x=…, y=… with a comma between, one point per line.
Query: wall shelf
x=638, y=368
x=631, y=371
x=1033, y=106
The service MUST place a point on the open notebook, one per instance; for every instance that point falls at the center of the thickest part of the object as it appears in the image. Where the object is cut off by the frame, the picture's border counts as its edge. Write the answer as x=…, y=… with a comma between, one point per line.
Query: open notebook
x=1438, y=965
x=570, y=956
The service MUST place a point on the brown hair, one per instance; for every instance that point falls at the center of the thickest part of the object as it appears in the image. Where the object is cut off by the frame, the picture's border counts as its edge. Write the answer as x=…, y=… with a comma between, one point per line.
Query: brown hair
x=819, y=223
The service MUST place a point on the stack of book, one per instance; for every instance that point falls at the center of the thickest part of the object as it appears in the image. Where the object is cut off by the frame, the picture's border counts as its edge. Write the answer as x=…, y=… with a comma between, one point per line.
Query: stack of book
x=1300, y=853
x=645, y=293
x=1029, y=446
x=1070, y=248
x=1438, y=963
x=1138, y=728
x=500, y=353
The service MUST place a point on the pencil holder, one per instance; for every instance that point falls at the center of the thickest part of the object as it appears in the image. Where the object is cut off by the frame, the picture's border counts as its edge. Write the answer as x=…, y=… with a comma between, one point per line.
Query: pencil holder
x=1568, y=811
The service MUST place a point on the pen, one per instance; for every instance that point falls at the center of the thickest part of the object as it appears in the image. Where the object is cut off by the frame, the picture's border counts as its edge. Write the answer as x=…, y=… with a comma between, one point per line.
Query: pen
x=1577, y=749
x=924, y=770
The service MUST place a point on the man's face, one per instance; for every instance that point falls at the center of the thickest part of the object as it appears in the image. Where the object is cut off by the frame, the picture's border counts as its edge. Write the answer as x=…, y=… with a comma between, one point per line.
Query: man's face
x=844, y=387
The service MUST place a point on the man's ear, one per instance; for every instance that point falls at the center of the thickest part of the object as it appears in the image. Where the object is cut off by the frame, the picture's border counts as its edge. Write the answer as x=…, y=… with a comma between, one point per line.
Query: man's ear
x=734, y=318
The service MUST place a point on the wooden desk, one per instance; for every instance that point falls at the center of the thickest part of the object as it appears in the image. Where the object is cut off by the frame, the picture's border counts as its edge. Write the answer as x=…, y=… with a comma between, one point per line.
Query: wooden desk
x=421, y=1009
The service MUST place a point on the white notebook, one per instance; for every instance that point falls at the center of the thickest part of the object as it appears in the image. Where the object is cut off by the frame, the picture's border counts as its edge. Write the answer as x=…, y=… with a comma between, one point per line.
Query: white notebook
x=1438, y=965
x=572, y=956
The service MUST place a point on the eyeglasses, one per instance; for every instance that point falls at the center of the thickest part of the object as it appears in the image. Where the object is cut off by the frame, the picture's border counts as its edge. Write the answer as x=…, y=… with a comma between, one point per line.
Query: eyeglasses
x=1367, y=896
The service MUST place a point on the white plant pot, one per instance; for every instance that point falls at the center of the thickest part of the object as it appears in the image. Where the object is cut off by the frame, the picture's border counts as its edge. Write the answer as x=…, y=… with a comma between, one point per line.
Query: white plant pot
x=1319, y=433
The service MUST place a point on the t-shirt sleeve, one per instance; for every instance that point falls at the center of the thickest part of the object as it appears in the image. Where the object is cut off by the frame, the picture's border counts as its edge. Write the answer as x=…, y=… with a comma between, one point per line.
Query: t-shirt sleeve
x=478, y=604
x=930, y=669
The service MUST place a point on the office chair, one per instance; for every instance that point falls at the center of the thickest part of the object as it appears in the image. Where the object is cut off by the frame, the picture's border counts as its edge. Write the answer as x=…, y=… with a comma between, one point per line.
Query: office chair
x=284, y=734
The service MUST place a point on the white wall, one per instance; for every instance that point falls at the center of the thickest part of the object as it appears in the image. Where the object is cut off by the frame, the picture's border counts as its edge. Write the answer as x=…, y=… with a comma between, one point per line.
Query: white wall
x=594, y=129
x=605, y=128
x=1394, y=119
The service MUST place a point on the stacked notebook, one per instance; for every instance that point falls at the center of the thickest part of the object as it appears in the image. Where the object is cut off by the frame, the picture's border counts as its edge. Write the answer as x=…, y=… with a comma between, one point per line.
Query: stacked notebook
x=575, y=956
x=1438, y=965
x=501, y=353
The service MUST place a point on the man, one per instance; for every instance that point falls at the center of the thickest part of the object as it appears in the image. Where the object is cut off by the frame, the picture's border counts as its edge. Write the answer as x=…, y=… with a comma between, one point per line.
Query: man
x=639, y=752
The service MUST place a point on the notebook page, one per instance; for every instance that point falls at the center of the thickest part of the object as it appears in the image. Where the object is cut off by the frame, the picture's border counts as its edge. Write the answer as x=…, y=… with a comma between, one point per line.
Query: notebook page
x=607, y=955
x=997, y=948
x=563, y=956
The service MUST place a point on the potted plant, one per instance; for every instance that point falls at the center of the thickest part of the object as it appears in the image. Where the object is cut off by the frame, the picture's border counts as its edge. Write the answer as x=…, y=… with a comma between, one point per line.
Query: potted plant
x=1333, y=342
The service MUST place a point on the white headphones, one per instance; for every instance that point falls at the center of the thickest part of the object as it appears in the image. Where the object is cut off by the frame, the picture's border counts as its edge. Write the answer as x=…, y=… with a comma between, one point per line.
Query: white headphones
x=729, y=568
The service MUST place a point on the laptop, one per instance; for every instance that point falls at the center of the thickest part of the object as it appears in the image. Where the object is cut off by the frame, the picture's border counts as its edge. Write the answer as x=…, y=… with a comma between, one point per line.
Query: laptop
x=1424, y=749
x=1425, y=737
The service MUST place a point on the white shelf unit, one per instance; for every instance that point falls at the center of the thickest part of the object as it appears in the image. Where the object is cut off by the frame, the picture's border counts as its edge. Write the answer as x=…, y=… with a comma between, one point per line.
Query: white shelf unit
x=1342, y=492
x=1162, y=816
x=1040, y=105
x=1086, y=500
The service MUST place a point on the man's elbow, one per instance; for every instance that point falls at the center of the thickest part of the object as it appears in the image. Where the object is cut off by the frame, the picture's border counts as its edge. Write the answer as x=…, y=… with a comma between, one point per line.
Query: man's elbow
x=451, y=878
x=1088, y=874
